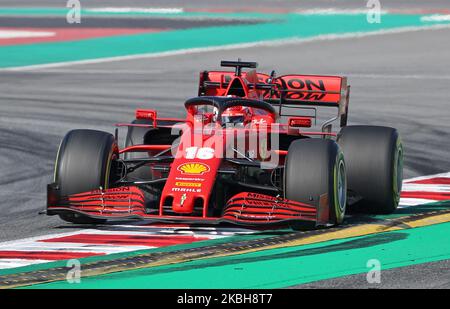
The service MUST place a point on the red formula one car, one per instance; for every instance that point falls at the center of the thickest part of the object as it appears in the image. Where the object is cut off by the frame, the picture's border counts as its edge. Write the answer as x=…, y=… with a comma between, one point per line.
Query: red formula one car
x=245, y=154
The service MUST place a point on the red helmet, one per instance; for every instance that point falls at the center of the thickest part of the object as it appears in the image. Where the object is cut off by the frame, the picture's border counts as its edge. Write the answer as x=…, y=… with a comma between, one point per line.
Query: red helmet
x=236, y=115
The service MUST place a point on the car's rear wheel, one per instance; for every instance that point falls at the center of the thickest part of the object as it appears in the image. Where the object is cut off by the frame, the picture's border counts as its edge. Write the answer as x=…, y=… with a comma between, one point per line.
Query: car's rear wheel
x=84, y=162
x=374, y=157
x=315, y=174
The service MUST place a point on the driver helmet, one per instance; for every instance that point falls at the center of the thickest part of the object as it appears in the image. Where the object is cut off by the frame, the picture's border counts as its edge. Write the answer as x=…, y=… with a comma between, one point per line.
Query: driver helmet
x=236, y=115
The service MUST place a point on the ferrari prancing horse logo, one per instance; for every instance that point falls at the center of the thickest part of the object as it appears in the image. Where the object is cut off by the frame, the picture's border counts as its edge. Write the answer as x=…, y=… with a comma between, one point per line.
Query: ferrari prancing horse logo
x=183, y=198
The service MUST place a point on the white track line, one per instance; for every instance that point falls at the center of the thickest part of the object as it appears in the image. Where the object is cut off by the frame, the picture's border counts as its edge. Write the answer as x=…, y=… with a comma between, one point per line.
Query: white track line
x=334, y=11
x=19, y=34
x=435, y=18
x=408, y=202
x=14, y=263
x=136, y=10
x=72, y=247
x=425, y=187
x=271, y=43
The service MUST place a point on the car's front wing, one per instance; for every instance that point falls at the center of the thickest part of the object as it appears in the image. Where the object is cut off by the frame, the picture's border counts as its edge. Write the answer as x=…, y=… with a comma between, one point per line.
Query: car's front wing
x=245, y=208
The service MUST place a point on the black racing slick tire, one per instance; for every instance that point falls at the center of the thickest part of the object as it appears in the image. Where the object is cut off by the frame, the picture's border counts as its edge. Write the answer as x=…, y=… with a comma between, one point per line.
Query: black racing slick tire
x=374, y=157
x=84, y=163
x=315, y=173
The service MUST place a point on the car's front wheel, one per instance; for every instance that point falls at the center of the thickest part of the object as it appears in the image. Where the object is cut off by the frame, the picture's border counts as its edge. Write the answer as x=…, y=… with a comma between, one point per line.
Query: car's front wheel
x=315, y=174
x=84, y=162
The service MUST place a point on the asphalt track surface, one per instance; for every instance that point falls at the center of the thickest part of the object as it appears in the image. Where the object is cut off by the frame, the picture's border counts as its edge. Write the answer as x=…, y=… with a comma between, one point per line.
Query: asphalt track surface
x=398, y=80
x=424, y=276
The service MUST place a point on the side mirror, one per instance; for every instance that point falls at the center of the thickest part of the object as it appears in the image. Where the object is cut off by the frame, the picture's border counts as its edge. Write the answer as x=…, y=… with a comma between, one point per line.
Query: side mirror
x=149, y=114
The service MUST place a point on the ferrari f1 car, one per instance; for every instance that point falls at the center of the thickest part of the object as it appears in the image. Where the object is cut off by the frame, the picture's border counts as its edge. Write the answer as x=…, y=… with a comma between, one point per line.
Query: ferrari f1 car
x=250, y=151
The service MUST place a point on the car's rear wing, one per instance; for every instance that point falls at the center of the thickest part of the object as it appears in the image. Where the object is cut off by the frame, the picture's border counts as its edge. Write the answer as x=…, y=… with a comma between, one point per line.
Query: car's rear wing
x=311, y=90
x=287, y=91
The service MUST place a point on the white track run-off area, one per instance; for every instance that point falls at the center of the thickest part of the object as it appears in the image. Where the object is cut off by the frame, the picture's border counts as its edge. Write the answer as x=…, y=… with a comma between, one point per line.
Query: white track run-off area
x=109, y=239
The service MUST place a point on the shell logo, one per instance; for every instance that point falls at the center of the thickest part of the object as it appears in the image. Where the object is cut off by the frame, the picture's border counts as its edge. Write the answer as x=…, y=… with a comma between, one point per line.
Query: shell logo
x=193, y=168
